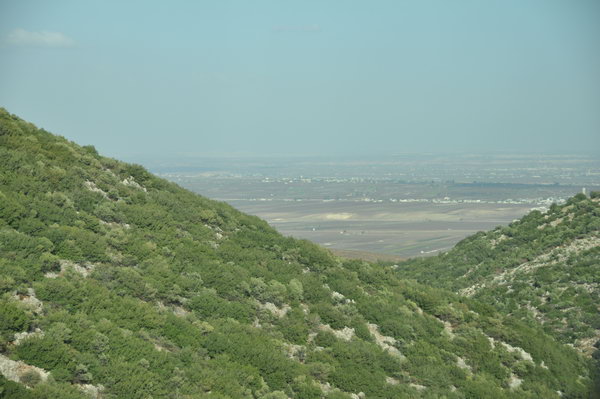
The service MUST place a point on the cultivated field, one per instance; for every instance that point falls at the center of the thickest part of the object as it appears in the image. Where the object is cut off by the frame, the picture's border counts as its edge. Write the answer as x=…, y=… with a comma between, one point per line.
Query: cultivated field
x=401, y=229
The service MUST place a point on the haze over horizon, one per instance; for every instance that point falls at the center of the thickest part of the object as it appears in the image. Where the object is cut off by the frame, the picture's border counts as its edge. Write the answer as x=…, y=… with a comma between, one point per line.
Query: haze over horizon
x=308, y=78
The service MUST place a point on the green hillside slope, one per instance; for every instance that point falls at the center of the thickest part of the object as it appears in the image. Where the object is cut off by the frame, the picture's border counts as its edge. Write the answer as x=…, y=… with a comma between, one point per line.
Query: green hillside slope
x=544, y=267
x=117, y=284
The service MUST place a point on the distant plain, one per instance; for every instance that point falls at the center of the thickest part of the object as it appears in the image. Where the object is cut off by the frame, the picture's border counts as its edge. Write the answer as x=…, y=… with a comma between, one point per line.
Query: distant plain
x=402, y=229
x=391, y=208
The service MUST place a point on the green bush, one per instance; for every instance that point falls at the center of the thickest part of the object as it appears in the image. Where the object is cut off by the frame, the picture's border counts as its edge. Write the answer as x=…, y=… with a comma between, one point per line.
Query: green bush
x=13, y=319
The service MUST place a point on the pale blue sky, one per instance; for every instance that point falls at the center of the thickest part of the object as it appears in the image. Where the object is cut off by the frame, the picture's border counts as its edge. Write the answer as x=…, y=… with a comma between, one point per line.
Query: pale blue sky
x=148, y=78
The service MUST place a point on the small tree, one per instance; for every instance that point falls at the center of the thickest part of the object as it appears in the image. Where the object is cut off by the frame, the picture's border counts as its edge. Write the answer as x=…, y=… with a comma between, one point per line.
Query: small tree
x=82, y=375
x=30, y=378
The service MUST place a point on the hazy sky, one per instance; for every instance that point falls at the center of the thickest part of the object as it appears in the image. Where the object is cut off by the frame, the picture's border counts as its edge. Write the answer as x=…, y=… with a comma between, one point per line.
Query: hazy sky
x=306, y=77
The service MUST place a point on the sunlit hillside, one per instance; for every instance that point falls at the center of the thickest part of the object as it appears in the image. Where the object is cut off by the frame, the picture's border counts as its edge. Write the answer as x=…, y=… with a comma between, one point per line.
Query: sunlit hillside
x=117, y=284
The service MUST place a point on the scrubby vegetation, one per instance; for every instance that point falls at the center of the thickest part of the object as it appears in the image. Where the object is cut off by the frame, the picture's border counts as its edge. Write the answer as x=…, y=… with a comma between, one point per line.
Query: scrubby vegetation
x=123, y=285
x=544, y=267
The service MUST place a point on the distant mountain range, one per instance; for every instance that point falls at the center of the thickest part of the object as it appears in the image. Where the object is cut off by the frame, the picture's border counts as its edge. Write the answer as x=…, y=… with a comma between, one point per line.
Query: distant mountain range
x=117, y=284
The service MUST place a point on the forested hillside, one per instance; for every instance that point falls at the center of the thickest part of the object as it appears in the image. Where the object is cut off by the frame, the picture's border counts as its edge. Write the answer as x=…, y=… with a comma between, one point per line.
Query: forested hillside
x=544, y=267
x=117, y=284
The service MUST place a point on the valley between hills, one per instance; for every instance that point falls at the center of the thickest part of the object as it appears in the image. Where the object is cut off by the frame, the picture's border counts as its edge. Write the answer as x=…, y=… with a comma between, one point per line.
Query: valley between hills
x=116, y=283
